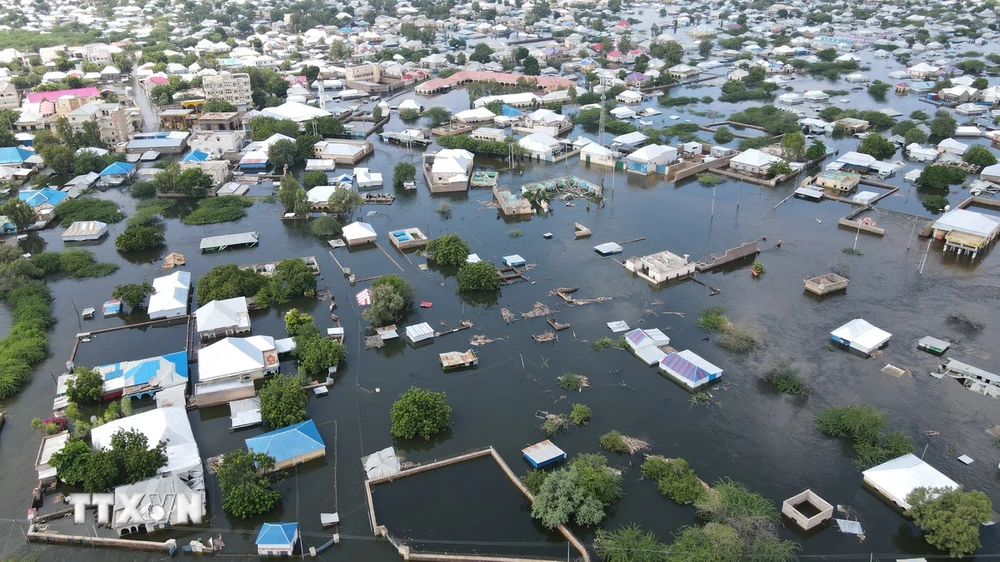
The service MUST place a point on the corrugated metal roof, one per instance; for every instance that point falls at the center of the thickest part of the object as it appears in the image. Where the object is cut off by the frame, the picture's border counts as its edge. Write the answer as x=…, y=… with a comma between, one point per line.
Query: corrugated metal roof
x=245, y=413
x=288, y=442
x=543, y=452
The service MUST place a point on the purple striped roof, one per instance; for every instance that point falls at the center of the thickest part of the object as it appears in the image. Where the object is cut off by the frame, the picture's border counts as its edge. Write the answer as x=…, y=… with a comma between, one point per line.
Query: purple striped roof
x=684, y=368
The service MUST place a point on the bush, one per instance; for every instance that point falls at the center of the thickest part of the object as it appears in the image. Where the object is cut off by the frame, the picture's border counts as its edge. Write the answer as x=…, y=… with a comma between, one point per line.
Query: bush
x=214, y=210
x=629, y=544
x=863, y=425
x=553, y=425
x=713, y=319
x=571, y=381
x=402, y=173
x=533, y=480
x=25, y=344
x=739, y=339
x=142, y=190
x=723, y=135
x=409, y=115
x=420, y=412
x=88, y=209
x=675, y=479
x=578, y=492
x=786, y=380
x=612, y=441
x=79, y=264
x=935, y=203
x=708, y=179
x=602, y=343
x=139, y=239
x=580, y=414
x=479, y=276
x=444, y=209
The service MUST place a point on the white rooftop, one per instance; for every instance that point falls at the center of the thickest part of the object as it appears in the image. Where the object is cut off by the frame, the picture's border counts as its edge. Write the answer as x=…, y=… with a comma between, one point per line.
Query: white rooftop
x=895, y=479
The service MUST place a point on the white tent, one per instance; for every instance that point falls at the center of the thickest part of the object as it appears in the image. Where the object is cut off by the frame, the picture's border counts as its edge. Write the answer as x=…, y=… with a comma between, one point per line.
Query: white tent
x=170, y=298
x=860, y=335
x=895, y=479
x=358, y=233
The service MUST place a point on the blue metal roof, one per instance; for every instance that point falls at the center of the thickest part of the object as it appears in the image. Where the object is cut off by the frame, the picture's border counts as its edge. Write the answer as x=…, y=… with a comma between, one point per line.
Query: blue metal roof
x=14, y=155
x=508, y=111
x=118, y=169
x=36, y=197
x=143, y=370
x=277, y=534
x=288, y=442
x=195, y=156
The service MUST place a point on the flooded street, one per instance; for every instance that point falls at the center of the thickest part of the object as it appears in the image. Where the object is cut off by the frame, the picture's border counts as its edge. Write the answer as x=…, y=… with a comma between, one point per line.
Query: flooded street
x=751, y=434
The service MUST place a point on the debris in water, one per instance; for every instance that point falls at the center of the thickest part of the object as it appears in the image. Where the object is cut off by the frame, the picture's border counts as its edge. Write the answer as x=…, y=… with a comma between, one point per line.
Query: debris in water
x=557, y=326
x=480, y=339
x=508, y=316
x=374, y=342
x=634, y=445
x=932, y=433
x=545, y=336
x=538, y=310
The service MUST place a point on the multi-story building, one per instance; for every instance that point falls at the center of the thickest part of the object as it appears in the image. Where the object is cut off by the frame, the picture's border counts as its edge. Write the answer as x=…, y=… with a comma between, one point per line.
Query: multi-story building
x=8, y=96
x=232, y=87
x=370, y=72
x=117, y=124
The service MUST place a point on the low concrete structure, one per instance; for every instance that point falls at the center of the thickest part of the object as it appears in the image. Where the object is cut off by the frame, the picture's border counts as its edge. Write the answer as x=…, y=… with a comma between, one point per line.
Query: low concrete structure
x=826, y=283
x=840, y=181
x=793, y=509
x=458, y=359
x=511, y=204
x=660, y=267
x=408, y=238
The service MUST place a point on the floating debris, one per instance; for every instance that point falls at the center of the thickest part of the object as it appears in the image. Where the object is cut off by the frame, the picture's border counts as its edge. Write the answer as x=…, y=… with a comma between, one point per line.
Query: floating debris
x=465, y=324
x=932, y=433
x=507, y=315
x=538, y=310
x=545, y=336
x=374, y=342
x=480, y=339
x=850, y=527
x=618, y=326
x=557, y=326
x=634, y=445
x=893, y=370
x=966, y=459
x=584, y=381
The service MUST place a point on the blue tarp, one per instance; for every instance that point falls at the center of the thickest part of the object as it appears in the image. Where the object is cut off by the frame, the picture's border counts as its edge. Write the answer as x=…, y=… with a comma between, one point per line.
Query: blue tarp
x=288, y=442
x=508, y=111
x=143, y=370
x=282, y=534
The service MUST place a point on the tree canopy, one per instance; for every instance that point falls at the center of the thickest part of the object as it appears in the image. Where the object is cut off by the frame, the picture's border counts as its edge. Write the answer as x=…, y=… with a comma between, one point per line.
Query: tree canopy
x=449, y=250
x=579, y=492
x=878, y=146
x=977, y=155
x=283, y=401
x=132, y=294
x=139, y=238
x=86, y=386
x=950, y=518
x=420, y=413
x=245, y=482
x=480, y=276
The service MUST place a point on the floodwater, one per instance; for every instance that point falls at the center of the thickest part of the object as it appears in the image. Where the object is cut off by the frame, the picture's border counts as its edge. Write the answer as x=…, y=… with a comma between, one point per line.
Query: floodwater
x=751, y=434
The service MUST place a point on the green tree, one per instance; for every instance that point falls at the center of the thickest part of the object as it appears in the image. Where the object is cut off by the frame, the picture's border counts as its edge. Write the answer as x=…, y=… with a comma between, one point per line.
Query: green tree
x=481, y=53
x=264, y=127
x=420, y=412
x=193, y=183
x=409, y=115
x=943, y=125
x=580, y=491
x=950, y=518
x=316, y=354
x=817, y=149
x=531, y=67
x=402, y=173
x=305, y=146
x=132, y=294
x=480, y=276
x=793, y=146
x=89, y=135
x=139, y=238
x=312, y=179
x=779, y=169
x=980, y=83
x=344, y=202
x=283, y=401
x=326, y=126
x=449, y=250
x=228, y=281
x=715, y=541
x=437, y=116
x=387, y=306
x=283, y=153
x=288, y=192
x=86, y=386
x=135, y=459
x=580, y=414
x=723, y=135
x=102, y=472
x=979, y=155
x=214, y=105
x=59, y=157
x=299, y=323
x=292, y=278
x=938, y=178
x=18, y=212
x=246, y=485
x=878, y=89
x=629, y=544
x=326, y=227
x=915, y=135
x=878, y=146
x=72, y=462
x=399, y=286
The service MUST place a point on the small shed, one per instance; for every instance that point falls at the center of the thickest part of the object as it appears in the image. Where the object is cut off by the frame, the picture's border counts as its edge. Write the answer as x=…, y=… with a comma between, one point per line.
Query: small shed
x=51, y=444
x=277, y=539
x=358, y=233
x=514, y=260
x=244, y=413
x=112, y=307
x=419, y=332
x=608, y=248
x=543, y=454
x=381, y=463
x=859, y=335
x=819, y=510
x=933, y=345
x=689, y=369
x=458, y=359
x=83, y=231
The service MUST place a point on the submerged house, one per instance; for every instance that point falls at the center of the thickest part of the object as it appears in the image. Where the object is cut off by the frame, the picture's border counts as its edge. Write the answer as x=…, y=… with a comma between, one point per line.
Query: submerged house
x=144, y=377
x=226, y=317
x=164, y=503
x=689, y=369
x=894, y=480
x=227, y=368
x=861, y=336
x=171, y=295
x=651, y=158
x=965, y=231
x=645, y=344
x=291, y=445
x=449, y=170
x=277, y=539
x=660, y=267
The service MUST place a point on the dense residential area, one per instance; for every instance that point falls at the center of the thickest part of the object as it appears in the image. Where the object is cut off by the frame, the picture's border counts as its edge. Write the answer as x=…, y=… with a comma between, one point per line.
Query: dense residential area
x=586, y=280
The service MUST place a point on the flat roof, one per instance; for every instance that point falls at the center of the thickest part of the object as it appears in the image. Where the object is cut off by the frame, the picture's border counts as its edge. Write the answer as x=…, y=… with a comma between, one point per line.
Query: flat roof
x=229, y=240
